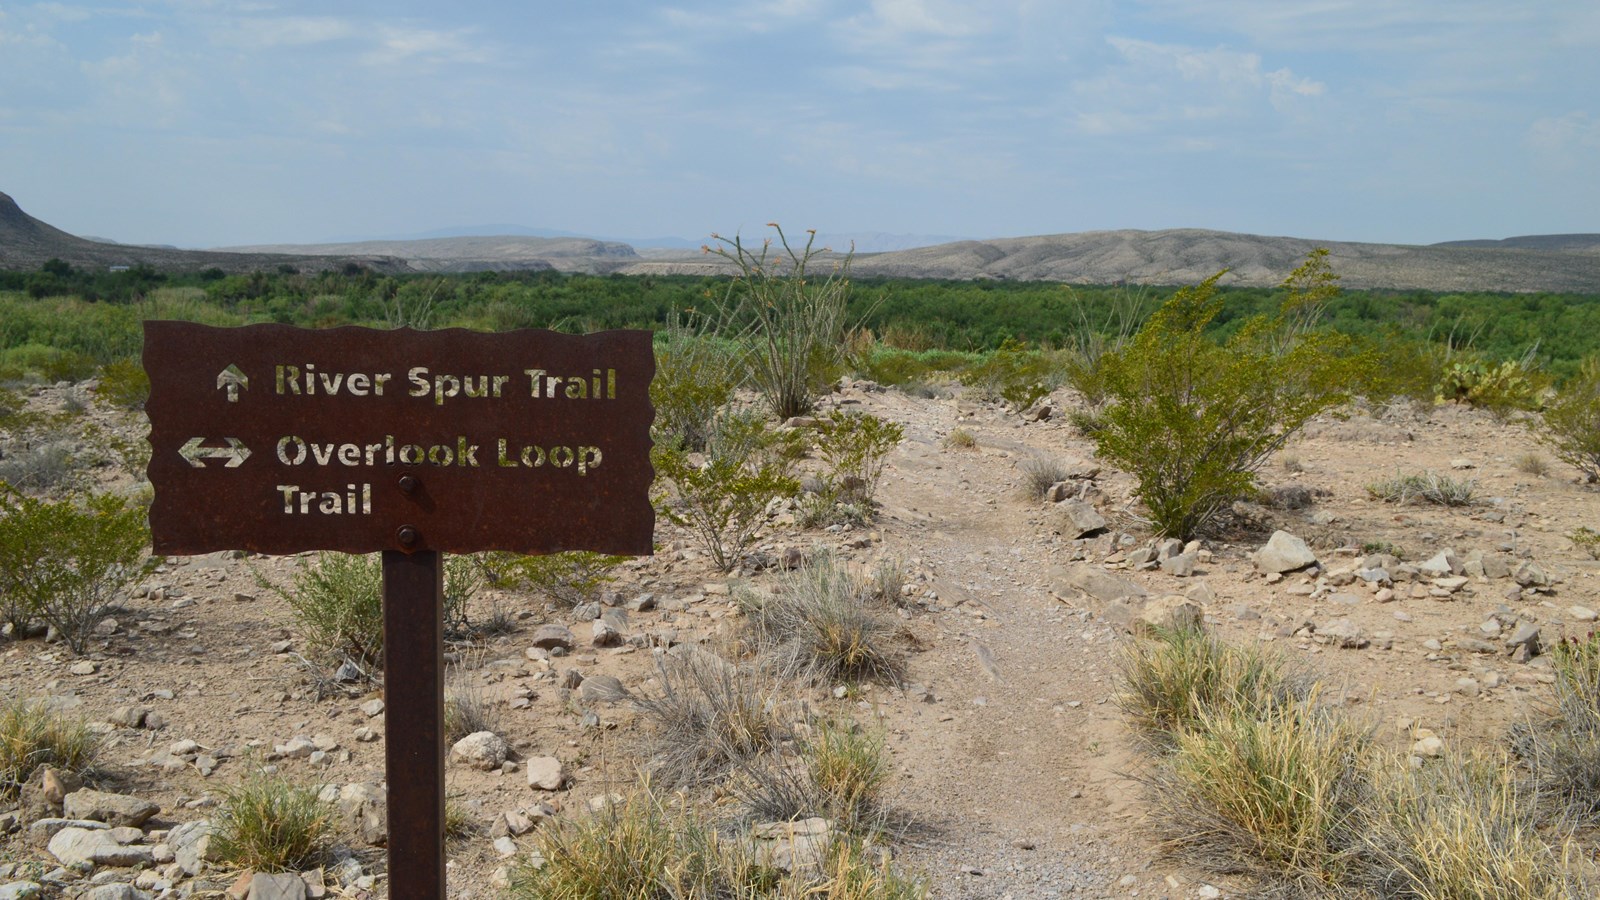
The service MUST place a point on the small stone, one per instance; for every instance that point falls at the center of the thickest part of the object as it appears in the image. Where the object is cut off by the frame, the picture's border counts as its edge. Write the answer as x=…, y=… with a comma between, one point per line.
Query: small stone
x=1525, y=639
x=1080, y=519
x=545, y=773
x=1166, y=614
x=602, y=689
x=1343, y=633
x=1583, y=613
x=277, y=886
x=112, y=809
x=1284, y=552
x=605, y=634
x=372, y=708
x=505, y=846
x=1429, y=747
x=84, y=668
x=77, y=846
x=481, y=750
x=550, y=637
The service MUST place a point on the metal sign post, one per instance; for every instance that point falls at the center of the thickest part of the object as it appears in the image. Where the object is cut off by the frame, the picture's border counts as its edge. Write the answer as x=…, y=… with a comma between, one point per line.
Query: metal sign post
x=281, y=440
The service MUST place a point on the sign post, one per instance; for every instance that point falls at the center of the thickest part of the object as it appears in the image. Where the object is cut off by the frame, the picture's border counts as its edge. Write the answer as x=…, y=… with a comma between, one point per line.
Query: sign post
x=280, y=440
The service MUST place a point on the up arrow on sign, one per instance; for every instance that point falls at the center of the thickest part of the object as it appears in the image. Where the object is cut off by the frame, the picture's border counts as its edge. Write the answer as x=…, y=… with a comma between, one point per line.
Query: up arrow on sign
x=235, y=453
x=234, y=380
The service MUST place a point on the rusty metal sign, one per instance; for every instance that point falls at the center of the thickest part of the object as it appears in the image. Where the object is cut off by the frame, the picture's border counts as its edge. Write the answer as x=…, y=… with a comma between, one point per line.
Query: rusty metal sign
x=278, y=439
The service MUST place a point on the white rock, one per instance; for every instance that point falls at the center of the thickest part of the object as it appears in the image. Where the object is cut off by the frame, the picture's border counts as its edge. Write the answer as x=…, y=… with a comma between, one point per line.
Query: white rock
x=482, y=750
x=544, y=773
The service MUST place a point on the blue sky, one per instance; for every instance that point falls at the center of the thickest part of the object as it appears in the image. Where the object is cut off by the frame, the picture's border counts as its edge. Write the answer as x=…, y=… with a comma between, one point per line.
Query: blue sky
x=213, y=122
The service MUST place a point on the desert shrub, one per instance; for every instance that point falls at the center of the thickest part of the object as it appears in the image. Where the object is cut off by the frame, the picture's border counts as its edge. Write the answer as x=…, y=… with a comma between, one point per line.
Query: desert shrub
x=337, y=601
x=1533, y=464
x=820, y=625
x=840, y=775
x=1039, y=473
x=41, y=467
x=639, y=848
x=1586, y=539
x=62, y=562
x=1498, y=387
x=1572, y=421
x=645, y=849
x=467, y=710
x=1563, y=750
x=886, y=580
x=271, y=824
x=1090, y=341
x=1170, y=680
x=893, y=367
x=123, y=384
x=722, y=495
x=855, y=446
x=1468, y=828
x=1426, y=487
x=1194, y=419
x=791, y=322
x=568, y=578
x=695, y=378
x=961, y=439
x=32, y=735
x=460, y=824
x=1273, y=791
x=1015, y=374
x=707, y=717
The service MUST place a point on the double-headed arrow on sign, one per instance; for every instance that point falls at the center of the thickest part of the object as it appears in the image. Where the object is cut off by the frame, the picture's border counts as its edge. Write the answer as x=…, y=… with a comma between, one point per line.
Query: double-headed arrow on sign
x=235, y=453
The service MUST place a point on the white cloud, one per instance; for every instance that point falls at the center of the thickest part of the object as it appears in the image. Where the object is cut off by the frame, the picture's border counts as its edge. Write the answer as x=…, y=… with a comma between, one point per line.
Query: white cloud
x=1571, y=141
x=425, y=45
x=1156, y=84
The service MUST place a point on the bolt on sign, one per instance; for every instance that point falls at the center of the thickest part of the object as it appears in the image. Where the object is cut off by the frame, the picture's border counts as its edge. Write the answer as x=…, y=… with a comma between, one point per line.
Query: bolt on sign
x=282, y=440
x=279, y=439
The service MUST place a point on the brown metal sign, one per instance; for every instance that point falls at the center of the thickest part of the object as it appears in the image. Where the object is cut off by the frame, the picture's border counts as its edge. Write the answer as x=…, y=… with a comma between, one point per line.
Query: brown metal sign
x=279, y=440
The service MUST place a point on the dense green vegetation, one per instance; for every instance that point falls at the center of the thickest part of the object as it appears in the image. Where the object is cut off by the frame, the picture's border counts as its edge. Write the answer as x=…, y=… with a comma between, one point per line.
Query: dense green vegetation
x=96, y=315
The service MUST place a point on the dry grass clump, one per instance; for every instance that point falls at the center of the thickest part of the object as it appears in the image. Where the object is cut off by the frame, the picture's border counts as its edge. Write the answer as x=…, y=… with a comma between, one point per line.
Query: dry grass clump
x=270, y=824
x=708, y=717
x=840, y=776
x=1274, y=791
x=1470, y=828
x=1253, y=777
x=643, y=848
x=32, y=735
x=467, y=710
x=961, y=439
x=1039, y=473
x=1563, y=752
x=822, y=625
x=1427, y=487
x=1533, y=464
x=1169, y=682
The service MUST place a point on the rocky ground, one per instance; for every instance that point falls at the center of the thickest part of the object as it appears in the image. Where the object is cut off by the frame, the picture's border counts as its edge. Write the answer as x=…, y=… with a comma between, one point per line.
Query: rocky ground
x=1014, y=769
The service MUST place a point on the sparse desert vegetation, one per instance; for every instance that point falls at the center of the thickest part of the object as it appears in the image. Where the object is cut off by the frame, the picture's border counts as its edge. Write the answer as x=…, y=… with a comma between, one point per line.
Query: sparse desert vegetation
x=862, y=663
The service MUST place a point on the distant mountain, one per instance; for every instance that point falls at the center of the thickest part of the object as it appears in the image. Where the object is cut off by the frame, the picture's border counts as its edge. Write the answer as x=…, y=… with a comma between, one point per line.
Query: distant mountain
x=1562, y=262
x=1565, y=243
x=27, y=243
x=471, y=254
x=1188, y=255
x=864, y=241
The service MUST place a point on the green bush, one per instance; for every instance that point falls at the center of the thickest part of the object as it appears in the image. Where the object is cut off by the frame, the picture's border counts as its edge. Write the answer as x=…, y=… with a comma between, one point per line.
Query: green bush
x=791, y=322
x=722, y=495
x=33, y=736
x=270, y=824
x=695, y=378
x=124, y=384
x=1497, y=387
x=1194, y=419
x=855, y=446
x=1015, y=374
x=568, y=578
x=1572, y=421
x=62, y=562
x=338, y=603
x=1586, y=539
